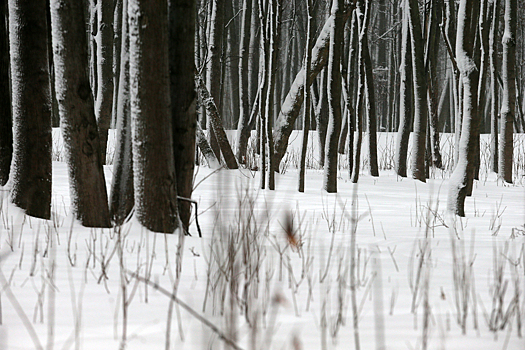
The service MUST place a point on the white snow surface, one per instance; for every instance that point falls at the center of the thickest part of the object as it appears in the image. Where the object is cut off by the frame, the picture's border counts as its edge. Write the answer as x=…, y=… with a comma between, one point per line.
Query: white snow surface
x=78, y=268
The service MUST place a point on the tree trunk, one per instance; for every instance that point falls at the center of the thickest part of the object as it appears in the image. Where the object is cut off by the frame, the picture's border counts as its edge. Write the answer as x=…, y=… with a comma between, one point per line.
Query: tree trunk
x=213, y=68
x=468, y=15
x=31, y=99
x=182, y=15
x=307, y=99
x=216, y=123
x=508, y=101
x=321, y=115
x=420, y=92
x=117, y=47
x=153, y=166
x=243, y=127
x=405, y=99
x=122, y=199
x=370, y=104
x=494, y=90
x=104, y=100
x=6, y=131
x=293, y=102
x=206, y=150
x=79, y=127
x=334, y=98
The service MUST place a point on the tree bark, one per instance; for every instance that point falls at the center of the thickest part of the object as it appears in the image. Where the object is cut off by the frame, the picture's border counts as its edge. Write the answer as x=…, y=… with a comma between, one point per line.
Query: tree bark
x=291, y=107
x=420, y=92
x=213, y=68
x=508, y=101
x=104, y=100
x=122, y=198
x=182, y=14
x=494, y=90
x=405, y=99
x=243, y=127
x=79, y=127
x=468, y=15
x=334, y=98
x=31, y=98
x=153, y=166
x=6, y=122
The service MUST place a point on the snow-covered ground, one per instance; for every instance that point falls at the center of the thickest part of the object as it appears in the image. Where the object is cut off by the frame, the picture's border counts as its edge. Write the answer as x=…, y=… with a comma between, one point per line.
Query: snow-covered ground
x=62, y=286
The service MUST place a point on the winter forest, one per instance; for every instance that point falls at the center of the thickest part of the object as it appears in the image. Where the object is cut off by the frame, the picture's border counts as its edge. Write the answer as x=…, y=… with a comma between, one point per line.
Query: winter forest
x=262, y=174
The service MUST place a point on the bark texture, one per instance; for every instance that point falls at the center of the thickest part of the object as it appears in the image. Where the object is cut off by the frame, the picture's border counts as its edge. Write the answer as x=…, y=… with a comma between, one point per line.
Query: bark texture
x=77, y=115
x=6, y=122
x=153, y=166
x=182, y=15
x=31, y=99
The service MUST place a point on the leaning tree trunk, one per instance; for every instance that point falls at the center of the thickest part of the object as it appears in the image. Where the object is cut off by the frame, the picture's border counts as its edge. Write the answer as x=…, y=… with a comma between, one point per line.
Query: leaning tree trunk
x=77, y=115
x=508, y=102
x=420, y=92
x=154, y=180
x=334, y=98
x=468, y=15
x=494, y=90
x=104, y=99
x=31, y=99
x=405, y=98
x=6, y=131
x=291, y=106
x=182, y=14
x=121, y=199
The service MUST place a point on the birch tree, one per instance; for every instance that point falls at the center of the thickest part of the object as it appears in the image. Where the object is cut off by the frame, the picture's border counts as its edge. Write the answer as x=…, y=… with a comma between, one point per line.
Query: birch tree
x=6, y=131
x=508, y=100
x=153, y=163
x=77, y=115
x=31, y=99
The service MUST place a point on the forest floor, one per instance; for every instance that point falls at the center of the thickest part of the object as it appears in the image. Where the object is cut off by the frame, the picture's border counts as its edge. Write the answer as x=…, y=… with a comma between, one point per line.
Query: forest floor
x=423, y=278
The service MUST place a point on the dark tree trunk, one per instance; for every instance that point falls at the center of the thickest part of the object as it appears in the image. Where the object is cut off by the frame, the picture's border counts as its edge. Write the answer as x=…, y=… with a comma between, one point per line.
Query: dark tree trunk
x=420, y=92
x=155, y=181
x=321, y=114
x=77, y=115
x=405, y=98
x=32, y=166
x=494, y=90
x=243, y=127
x=508, y=101
x=122, y=199
x=104, y=100
x=6, y=131
x=334, y=98
x=182, y=15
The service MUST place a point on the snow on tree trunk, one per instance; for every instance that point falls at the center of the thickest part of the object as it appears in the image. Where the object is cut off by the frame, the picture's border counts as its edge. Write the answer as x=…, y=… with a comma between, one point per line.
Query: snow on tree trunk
x=334, y=98
x=153, y=167
x=405, y=98
x=213, y=67
x=508, y=101
x=321, y=114
x=182, y=14
x=468, y=15
x=420, y=92
x=122, y=199
x=104, y=100
x=77, y=115
x=31, y=98
x=291, y=106
x=216, y=123
x=243, y=127
x=117, y=48
x=206, y=150
x=6, y=131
